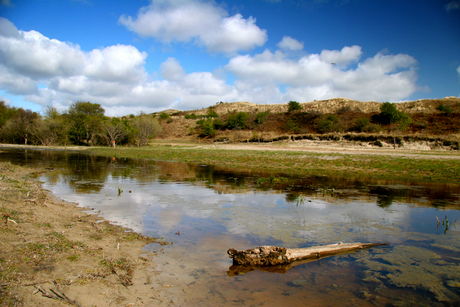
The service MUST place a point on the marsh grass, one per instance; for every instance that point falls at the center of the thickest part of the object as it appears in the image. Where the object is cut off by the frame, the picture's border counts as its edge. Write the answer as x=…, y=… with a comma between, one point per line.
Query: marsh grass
x=425, y=167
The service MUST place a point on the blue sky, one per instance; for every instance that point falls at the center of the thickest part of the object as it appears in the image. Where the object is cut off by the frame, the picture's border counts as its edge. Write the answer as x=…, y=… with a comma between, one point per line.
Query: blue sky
x=141, y=55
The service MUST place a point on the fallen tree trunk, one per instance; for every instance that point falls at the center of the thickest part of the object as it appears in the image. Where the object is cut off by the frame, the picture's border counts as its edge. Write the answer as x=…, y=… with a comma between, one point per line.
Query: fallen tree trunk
x=274, y=255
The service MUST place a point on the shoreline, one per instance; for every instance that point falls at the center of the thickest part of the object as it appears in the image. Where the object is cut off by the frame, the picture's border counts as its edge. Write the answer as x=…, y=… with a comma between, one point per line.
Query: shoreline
x=51, y=245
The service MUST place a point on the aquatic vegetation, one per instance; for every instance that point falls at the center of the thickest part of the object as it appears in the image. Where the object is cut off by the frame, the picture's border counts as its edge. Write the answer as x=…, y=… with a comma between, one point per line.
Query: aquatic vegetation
x=414, y=267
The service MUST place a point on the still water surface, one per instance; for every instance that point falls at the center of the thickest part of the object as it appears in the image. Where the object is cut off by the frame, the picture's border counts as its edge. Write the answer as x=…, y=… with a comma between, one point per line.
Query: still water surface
x=204, y=210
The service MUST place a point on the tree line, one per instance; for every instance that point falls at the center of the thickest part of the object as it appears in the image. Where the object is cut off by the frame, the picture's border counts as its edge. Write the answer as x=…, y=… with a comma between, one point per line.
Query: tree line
x=83, y=123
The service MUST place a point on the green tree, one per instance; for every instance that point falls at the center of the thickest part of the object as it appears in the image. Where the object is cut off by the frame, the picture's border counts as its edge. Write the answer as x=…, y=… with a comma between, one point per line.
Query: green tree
x=294, y=106
x=86, y=120
x=237, y=120
x=207, y=127
x=389, y=114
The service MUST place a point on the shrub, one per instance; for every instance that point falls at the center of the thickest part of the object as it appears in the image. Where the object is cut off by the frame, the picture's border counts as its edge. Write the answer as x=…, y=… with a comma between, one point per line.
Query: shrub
x=207, y=127
x=191, y=116
x=260, y=117
x=212, y=112
x=164, y=115
x=218, y=124
x=292, y=126
x=372, y=128
x=237, y=120
x=328, y=124
x=294, y=106
x=361, y=123
x=389, y=115
x=446, y=109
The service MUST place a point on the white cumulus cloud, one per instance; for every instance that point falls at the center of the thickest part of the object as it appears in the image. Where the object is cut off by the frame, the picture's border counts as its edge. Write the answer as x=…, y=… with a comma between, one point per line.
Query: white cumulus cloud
x=204, y=23
x=382, y=77
x=289, y=43
x=343, y=57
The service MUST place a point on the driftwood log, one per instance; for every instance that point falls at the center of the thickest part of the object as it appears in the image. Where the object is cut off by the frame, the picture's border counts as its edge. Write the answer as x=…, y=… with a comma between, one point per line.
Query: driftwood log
x=275, y=256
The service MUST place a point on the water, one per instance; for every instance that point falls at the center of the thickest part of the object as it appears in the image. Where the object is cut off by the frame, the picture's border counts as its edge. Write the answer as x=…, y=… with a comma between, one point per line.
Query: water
x=204, y=210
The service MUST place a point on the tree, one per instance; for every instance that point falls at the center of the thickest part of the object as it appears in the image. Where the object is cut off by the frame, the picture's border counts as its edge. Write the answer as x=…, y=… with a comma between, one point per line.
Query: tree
x=294, y=106
x=86, y=119
x=24, y=123
x=112, y=131
x=145, y=127
x=237, y=120
x=389, y=114
x=47, y=131
x=207, y=127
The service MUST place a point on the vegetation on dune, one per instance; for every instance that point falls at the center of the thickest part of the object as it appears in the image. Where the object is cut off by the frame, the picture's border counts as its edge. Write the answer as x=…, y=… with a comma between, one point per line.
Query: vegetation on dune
x=84, y=123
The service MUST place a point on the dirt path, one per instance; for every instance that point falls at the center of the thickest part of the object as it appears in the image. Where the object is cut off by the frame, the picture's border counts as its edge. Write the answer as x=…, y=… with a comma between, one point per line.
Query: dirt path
x=54, y=254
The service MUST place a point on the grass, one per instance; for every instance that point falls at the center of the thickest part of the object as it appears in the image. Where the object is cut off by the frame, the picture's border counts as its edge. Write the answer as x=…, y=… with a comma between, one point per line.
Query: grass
x=422, y=167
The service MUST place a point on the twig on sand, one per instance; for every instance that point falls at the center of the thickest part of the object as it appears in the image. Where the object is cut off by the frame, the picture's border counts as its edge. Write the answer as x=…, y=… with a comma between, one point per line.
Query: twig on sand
x=57, y=294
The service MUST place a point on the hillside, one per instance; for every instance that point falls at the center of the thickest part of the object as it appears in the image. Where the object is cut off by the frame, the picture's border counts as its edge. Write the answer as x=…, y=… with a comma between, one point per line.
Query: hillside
x=426, y=121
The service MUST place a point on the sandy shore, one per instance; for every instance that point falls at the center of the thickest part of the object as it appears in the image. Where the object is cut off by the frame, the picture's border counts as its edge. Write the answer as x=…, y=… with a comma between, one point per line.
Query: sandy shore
x=54, y=254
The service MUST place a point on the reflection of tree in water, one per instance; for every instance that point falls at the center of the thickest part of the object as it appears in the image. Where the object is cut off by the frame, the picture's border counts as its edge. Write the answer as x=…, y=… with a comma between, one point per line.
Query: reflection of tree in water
x=386, y=196
x=87, y=173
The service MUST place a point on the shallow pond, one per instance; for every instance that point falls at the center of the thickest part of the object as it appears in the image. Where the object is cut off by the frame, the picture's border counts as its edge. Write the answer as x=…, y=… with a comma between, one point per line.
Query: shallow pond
x=204, y=210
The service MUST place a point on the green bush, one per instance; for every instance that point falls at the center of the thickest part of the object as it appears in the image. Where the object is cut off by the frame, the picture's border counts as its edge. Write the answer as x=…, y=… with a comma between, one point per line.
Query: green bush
x=446, y=109
x=206, y=126
x=164, y=115
x=361, y=124
x=191, y=116
x=260, y=117
x=292, y=126
x=208, y=129
x=218, y=124
x=212, y=112
x=389, y=115
x=294, y=106
x=329, y=123
x=237, y=120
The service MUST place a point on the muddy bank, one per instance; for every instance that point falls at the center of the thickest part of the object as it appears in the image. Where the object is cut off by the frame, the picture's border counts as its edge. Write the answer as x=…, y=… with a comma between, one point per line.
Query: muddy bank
x=53, y=253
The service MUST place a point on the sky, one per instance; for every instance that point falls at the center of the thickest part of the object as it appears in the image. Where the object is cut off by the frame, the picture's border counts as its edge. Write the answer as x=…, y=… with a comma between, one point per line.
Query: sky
x=152, y=55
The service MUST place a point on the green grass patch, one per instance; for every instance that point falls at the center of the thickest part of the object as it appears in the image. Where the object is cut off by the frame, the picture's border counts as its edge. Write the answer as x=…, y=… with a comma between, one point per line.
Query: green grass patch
x=432, y=168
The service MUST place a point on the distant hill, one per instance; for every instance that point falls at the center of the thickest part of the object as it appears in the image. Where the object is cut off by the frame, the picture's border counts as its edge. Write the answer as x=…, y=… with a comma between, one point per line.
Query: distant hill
x=425, y=115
